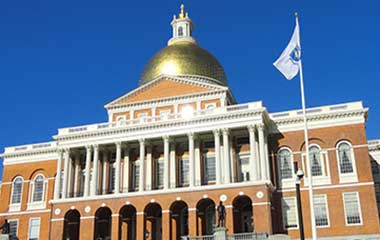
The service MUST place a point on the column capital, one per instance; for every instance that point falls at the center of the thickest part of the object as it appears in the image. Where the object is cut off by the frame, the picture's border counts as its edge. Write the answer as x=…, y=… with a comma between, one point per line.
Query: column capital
x=118, y=144
x=166, y=138
x=142, y=140
x=95, y=147
x=216, y=132
x=60, y=151
x=88, y=147
x=226, y=131
x=251, y=128
x=260, y=126
x=191, y=135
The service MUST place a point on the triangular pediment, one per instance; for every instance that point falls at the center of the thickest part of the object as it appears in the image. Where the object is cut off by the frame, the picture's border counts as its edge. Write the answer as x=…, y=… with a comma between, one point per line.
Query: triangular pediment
x=165, y=87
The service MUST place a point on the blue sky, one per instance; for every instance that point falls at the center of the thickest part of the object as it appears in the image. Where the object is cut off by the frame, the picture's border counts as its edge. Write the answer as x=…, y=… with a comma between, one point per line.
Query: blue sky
x=61, y=61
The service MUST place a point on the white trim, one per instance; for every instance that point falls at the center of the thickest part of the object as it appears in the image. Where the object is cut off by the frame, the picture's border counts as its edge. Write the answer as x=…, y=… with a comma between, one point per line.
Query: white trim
x=23, y=213
x=288, y=182
x=346, y=177
x=261, y=203
x=57, y=219
x=329, y=186
x=39, y=227
x=359, y=208
x=87, y=217
x=327, y=210
x=16, y=206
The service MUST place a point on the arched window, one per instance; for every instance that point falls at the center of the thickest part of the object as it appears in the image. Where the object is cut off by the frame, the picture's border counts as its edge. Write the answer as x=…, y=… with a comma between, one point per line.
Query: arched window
x=38, y=188
x=180, y=32
x=285, y=163
x=315, y=159
x=16, y=190
x=345, y=156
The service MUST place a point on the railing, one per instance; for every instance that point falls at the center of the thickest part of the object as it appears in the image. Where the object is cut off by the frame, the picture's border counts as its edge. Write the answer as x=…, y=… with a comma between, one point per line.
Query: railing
x=248, y=236
x=319, y=110
x=36, y=146
x=374, y=142
x=206, y=237
x=170, y=117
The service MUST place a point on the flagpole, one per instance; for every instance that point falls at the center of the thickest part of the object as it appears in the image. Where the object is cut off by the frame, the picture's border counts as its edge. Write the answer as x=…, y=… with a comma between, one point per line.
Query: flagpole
x=308, y=165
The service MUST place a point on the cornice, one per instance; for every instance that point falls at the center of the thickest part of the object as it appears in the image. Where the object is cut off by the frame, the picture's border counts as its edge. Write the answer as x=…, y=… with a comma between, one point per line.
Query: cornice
x=374, y=145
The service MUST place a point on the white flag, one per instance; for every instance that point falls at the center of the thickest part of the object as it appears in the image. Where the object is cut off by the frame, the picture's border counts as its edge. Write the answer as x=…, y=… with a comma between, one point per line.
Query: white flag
x=288, y=62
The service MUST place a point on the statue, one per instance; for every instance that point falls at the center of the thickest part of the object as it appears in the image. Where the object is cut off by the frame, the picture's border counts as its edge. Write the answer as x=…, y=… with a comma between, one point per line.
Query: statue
x=221, y=215
x=5, y=227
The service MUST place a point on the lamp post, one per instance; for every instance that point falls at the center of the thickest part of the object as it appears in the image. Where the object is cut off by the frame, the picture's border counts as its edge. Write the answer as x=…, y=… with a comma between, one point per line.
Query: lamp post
x=299, y=175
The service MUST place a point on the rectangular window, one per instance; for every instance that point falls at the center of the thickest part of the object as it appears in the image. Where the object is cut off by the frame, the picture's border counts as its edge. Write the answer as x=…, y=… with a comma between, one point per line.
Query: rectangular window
x=184, y=171
x=352, y=208
x=112, y=177
x=34, y=229
x=13, y=227
x=320, y=209
x=210, y=167
x=159, y=173
x=244, y=166
x=136, y=175
x=164, y=114
x=143, y=117
x=289, y=213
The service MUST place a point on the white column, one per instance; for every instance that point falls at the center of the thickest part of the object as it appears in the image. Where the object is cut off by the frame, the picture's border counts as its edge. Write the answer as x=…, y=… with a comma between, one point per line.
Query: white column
x=227, y=161
x=66, y=173
x=197, y=163
x=217, y=156
x=76, y=175
x=173, y=167
x=260, y=128
x=191, y=160
x=87, y=171
x=142, y=165
x=252, y=153
x=57, y=185
x=266, y=154
x=149, y=168
x=117, y=169
x=94, y=182
x=126, y=170
x=104, y=174
x=166, y=162
x=70, y=180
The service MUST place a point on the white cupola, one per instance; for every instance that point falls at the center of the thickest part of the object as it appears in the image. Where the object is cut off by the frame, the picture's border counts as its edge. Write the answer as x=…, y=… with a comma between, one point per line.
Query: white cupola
x=182, y=27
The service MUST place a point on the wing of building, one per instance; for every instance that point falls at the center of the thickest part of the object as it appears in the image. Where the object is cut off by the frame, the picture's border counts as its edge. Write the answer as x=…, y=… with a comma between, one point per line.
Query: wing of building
x=176, y=146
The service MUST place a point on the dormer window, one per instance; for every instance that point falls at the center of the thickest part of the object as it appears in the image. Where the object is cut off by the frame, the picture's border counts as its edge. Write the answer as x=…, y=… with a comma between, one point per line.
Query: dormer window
x=180, y=32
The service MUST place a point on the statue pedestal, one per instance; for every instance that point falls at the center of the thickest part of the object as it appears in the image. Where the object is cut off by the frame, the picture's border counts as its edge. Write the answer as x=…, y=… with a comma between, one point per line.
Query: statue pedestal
x=4, y=237
x=220, y=233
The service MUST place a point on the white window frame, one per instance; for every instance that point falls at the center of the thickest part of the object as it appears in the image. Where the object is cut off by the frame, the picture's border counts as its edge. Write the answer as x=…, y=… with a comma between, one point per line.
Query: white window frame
x=164, y=114
x=143, y=117
x=37, y=204
x=325, y=162
x=135, y=181
x=295, y=212
x=287, y=182
x=14, y=220
x=239, y=156
x=359, y=207
x=206, y=156
x=327, y=210
x=208, y=105
x=184, y=157
x=158, y=162
x=347, y=177
x=121, y=120
x=16, y=206
x=39, y=227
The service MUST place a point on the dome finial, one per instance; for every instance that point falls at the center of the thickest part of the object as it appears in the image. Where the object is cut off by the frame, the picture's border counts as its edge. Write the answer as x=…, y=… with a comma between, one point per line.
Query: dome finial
x=182, y=13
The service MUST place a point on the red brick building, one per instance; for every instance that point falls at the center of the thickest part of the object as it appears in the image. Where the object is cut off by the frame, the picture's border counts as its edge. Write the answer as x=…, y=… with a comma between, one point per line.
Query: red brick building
x=176, y=145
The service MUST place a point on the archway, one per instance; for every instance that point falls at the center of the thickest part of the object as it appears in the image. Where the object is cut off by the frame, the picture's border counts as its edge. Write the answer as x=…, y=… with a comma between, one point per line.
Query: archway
x=243, y=214
x=71, y=225
x=179, y=220
x=103, y=223
x=127, y=223
x=153, y=221
x=206, y=214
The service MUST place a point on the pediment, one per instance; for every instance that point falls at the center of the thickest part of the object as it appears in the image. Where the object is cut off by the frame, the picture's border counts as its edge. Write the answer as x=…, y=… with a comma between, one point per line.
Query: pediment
x=164, y=87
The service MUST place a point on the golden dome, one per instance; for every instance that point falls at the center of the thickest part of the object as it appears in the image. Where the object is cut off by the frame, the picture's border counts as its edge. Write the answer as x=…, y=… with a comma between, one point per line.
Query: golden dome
x=183, y=58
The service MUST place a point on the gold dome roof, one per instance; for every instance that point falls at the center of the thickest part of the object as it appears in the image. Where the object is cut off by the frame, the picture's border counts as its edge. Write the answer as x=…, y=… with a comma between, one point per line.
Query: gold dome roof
x=183, y=58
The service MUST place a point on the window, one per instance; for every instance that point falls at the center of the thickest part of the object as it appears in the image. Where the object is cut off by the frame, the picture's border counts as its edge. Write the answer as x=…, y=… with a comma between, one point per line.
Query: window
x=164, y=114
x=320, y=209
x=143, y=117
x=34, y=229
x=210, y=168
x=112, y=177
x=210, y=106
x=244, y=166
x=315, y=159
x=160, y=173
x=13, y=228
x=352, y=208
x=285, y=162
x=289, y=213
x=184, y=170
x=122, y=120
x=38, y=188
x=180, y=31
x=135, y=174
x=16, y=190
x=345, y=156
